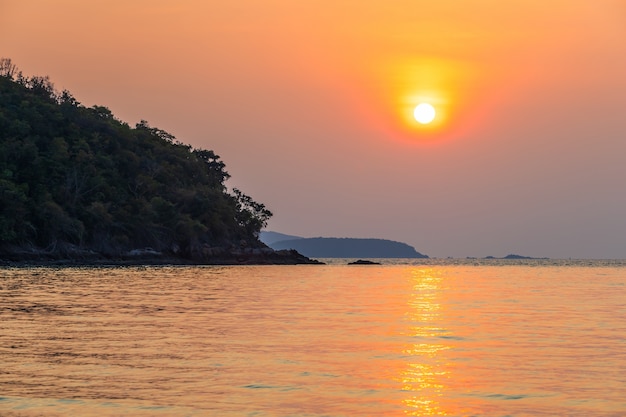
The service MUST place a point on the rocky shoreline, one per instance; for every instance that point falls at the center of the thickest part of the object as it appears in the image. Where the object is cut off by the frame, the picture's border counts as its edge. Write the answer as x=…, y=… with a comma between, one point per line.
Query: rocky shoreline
x=72, y=256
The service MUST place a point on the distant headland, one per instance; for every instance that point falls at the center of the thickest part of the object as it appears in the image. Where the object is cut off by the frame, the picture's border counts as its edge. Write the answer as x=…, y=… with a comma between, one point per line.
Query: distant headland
x=329, y=247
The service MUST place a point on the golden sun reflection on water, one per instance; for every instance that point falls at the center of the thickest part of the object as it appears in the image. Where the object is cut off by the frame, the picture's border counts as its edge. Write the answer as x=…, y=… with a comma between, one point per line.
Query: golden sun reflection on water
x=336, y=340
x=425, y=376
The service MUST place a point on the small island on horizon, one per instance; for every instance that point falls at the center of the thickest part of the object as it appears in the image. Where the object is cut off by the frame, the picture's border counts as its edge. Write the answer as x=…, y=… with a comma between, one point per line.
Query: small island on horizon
x=513, y=256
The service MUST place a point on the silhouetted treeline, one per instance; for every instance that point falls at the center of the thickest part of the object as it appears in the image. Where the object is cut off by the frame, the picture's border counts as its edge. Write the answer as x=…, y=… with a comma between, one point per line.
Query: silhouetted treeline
x=76, y=178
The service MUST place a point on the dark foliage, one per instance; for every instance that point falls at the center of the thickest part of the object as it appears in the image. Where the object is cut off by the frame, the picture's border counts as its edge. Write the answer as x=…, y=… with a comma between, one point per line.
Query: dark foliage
x=76, y=177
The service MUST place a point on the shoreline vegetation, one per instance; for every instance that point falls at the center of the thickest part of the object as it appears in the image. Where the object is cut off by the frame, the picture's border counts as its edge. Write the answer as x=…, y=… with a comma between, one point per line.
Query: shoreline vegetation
x=79, y=186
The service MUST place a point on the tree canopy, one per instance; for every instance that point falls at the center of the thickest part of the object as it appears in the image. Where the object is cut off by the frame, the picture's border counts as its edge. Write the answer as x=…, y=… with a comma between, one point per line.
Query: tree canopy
x=77, y=177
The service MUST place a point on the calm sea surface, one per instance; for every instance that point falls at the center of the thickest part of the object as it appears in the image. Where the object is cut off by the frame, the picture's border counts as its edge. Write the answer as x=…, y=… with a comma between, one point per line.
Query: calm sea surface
x=432, y=338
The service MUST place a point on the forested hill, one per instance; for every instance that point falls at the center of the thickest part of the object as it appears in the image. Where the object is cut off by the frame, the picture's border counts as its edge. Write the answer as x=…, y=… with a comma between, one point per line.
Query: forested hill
x=329, y=247
x=77, y=182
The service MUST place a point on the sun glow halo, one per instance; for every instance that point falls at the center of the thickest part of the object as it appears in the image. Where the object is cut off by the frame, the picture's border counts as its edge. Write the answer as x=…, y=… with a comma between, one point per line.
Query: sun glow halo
x=424, y=113
x=426, y=97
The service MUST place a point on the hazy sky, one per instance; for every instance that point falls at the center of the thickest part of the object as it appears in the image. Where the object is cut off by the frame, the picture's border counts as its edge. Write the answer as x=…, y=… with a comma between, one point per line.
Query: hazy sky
x=309, y=105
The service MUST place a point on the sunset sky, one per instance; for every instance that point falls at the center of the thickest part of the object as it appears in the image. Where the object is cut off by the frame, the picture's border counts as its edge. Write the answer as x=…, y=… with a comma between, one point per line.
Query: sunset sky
x=309, y=104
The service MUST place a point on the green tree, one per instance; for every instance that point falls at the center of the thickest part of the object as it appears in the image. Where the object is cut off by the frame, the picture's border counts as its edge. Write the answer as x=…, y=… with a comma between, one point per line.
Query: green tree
x=77, y=176
x=251, y=215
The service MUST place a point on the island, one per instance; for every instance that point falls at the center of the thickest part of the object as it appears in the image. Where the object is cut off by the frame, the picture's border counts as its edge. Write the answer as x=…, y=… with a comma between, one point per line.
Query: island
x=364, y=262
x=330, y=247
x=78, y=185
x=512, y=256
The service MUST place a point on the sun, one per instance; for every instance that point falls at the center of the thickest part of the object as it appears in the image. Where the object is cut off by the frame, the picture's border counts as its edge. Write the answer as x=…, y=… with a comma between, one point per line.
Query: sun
x=424, y=113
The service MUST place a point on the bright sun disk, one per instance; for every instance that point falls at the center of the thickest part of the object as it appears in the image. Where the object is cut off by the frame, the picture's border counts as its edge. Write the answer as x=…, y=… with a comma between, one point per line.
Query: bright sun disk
x=424, y=113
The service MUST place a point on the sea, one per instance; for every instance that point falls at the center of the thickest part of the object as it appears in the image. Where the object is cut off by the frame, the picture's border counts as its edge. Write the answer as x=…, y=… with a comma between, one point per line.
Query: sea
x=409, y=337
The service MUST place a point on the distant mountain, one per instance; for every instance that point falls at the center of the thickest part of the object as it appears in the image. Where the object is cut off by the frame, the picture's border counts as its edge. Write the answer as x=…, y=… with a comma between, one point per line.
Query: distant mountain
x=272, y=237
x=329, y=247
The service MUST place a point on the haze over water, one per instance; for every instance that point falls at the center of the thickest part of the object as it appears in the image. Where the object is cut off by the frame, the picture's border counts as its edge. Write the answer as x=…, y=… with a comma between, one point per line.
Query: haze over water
x=433, y=338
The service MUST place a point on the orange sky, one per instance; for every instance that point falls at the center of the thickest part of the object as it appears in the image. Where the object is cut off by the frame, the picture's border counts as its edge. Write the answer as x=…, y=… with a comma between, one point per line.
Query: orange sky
x=307, y=104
